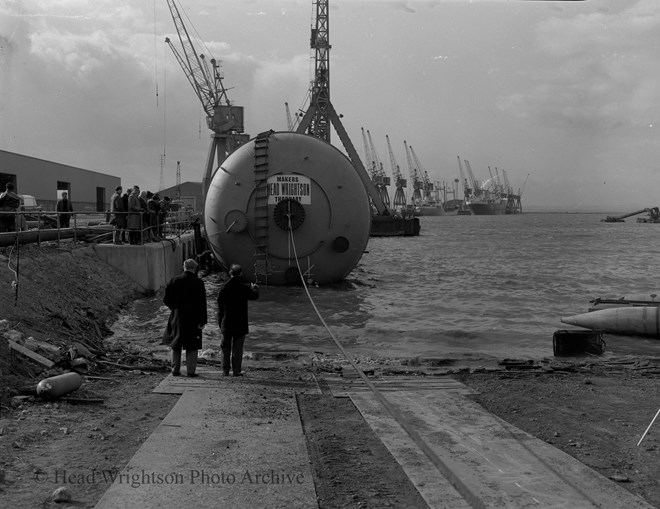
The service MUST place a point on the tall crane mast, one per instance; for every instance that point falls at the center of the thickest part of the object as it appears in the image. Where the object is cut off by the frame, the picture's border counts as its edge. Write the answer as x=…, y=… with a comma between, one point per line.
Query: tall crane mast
x=321, y=113
x=223, y=118
x=427, y=185
x=371, y=164
x=319, y=122
x=414, y=176
x=476, y=186
x=289, y=122
x=490, y=185
x=499, y=181
x=524, y=186
x=399, y=181
x=374, y=155
x=467, y=186
x=178, y=180
x=505, y=178
x=382, y=180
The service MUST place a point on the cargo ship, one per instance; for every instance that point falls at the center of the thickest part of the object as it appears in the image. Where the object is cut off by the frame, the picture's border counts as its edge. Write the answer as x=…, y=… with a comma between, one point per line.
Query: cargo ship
x=431, y=208
x=492, y=197
x=487, y=206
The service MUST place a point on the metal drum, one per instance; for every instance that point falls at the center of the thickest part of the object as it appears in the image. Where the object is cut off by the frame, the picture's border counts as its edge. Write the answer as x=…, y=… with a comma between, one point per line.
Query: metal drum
x=285, y=194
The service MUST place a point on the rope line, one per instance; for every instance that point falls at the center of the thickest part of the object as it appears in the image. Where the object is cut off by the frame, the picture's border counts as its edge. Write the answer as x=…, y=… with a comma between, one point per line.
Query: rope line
x=471, y=498
x=459, y=485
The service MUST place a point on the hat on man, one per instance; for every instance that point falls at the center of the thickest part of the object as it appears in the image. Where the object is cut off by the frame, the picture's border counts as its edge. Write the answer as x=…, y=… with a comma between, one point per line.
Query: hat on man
x=235, y=270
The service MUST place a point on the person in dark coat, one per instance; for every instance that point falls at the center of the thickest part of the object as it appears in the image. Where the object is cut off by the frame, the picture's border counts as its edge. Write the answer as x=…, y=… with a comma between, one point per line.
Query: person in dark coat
x=233, y=318
x=185, y=295
x=124, y=198
x=119, y=216
x=163, y=210
x=64, y=208
x=9, y=205
x=134, y=220
x=153, y=206
x=146, y=218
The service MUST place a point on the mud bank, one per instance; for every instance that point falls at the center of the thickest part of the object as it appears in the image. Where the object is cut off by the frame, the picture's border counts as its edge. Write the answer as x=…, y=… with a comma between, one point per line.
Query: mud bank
x=63, y=295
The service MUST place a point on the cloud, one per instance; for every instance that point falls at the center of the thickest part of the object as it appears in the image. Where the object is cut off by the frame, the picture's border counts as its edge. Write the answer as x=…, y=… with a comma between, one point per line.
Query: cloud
x=599, y=71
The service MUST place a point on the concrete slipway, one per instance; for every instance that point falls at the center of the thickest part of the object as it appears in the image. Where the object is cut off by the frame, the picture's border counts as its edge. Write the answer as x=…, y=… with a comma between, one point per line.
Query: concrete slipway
x=238, y=442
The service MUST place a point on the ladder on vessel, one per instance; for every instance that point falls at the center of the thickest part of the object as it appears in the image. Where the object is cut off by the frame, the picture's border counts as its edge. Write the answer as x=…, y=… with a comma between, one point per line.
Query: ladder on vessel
x=261, y=207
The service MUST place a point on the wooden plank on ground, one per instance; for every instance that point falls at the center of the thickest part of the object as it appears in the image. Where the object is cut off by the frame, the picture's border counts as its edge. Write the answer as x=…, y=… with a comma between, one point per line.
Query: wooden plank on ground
x=30, y=354
x=489, y=461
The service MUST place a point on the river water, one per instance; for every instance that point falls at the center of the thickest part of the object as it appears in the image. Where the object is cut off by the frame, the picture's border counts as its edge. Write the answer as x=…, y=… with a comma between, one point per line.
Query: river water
x=468, y=288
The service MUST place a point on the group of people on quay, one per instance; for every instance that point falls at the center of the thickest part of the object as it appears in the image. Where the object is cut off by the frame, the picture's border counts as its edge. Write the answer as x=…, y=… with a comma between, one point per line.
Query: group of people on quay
x=10, y=204
x=138, y=216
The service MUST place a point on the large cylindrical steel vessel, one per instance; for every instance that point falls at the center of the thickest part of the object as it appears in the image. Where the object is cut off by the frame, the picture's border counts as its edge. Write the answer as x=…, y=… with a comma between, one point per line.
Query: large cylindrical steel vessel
x=285, y=197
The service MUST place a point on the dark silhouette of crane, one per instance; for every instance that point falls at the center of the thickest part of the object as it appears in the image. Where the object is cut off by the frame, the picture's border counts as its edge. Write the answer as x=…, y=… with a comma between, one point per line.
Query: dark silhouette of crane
x=289, y=121
x=321, y=114
x=222, y=117
x=378, y=176
x=415, y=177
x=399, y=182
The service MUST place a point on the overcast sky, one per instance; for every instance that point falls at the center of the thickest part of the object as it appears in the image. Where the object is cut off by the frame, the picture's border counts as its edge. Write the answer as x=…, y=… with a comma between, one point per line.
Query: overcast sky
x=567, y=92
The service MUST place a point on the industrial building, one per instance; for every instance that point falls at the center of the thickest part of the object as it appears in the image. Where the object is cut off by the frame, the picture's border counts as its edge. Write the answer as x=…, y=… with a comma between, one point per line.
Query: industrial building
x=88, y=191
x=188, y=194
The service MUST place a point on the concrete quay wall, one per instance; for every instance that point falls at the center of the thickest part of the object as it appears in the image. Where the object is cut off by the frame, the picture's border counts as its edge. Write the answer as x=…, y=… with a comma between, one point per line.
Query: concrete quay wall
x=151, y=265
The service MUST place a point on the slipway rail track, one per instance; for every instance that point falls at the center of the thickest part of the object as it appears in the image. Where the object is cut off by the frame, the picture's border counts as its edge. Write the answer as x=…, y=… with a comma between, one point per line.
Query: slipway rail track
x=495, y=464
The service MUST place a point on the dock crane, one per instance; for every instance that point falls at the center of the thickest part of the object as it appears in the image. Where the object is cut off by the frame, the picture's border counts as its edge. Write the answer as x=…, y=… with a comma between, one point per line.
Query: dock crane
x=399, y=181
x=467, y=186
x=372, y=162
x=429, y=189
x=222, y=117
x=178, y=180
x=524, y=186
x=368, y=157
x=507, y=184
x=371, y=158
x=513, y=200
x=321, y=114
x=492, y=183
x=477, y=189
x=289, y=122
x=414, y=177
x=382, y=178
x=503, y=187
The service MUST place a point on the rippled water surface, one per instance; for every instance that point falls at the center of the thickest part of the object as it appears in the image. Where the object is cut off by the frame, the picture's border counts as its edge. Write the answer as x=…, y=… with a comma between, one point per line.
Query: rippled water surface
x=469, y=287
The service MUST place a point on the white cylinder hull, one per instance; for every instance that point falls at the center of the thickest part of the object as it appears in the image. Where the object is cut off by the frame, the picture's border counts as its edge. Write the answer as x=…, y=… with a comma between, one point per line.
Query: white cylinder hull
x=627, y=321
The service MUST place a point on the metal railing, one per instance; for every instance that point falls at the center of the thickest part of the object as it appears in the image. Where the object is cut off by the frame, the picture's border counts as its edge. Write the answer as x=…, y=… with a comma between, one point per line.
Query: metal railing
x=29, y=226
